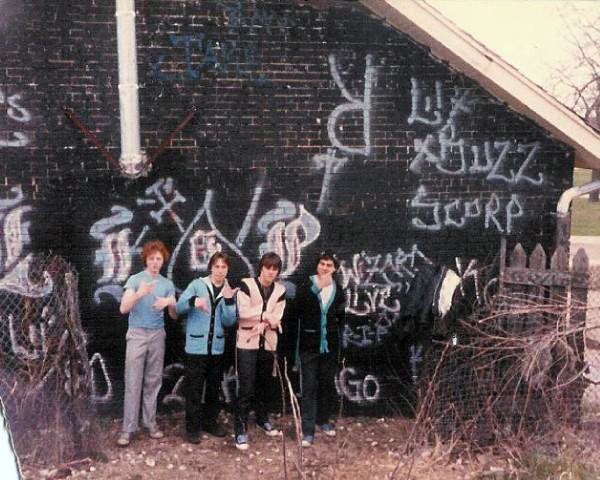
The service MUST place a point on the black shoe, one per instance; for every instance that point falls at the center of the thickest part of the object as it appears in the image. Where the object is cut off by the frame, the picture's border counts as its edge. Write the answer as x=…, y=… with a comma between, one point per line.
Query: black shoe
x=216, y=430
x=192, y=437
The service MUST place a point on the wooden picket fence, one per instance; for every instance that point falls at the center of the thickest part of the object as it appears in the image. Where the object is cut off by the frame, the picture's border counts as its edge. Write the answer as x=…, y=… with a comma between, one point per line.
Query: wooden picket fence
x=534, y=278
x=560, y=285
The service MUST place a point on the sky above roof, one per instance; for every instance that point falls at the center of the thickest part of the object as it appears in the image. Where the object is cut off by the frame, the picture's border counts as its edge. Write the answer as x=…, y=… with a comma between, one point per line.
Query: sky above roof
x=531, y=35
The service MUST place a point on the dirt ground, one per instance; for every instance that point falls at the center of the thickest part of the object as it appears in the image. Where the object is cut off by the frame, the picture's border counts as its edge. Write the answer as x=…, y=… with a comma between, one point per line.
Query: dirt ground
x=364, y=448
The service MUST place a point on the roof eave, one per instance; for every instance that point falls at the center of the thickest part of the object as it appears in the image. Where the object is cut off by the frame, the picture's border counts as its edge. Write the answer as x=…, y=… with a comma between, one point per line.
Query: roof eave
x=429, y=27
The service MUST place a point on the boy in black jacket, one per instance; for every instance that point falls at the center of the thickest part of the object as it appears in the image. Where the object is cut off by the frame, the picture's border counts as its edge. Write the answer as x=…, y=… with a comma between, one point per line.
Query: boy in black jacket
x=321, y=310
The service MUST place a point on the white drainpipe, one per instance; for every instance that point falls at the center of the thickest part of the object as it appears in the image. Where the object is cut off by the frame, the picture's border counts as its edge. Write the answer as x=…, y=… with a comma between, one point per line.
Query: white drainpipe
x=562, y=208
x=132, y=158
x=563, y=220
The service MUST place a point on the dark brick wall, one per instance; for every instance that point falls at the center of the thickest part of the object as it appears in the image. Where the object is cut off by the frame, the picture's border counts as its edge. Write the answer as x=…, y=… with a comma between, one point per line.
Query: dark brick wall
x=313, y=129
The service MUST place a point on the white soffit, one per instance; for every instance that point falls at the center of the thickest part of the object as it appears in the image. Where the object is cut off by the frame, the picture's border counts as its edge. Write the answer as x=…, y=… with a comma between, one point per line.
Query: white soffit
x=429, y=27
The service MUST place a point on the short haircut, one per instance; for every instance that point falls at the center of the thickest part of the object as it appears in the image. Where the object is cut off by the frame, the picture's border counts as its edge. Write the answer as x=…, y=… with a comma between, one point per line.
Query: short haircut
x=219, y=256
x=155, y=246
x=270, y=259
x=329, y=255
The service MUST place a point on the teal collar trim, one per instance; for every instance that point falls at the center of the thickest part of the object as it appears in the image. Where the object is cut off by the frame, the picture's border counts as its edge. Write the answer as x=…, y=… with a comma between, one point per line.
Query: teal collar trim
x=324, y=347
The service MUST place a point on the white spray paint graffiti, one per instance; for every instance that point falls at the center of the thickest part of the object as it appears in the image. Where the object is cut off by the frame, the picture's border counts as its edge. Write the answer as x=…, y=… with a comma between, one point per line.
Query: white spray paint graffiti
x=447, y=140
x=114, y=255
x=330, y=165
x=416, y=357
x=203, y=244
x=16, y=233
x=425, y=105
x=436, y=149
x=100, y=384
x=470, y=272
x=176, y=395
x=36, y=345
x=14, y=270
x=353, y=104
x=17, y=113
x=372, y=284
x=247, y=225
x=160, y=189
x=288, y=240
x=458, y=212
x=114, y=233
x=229, y=385
x=497, y=172
x=206, y=212
x=356, y=388
x=369, y=334
x=36, y=337
x=329, y=162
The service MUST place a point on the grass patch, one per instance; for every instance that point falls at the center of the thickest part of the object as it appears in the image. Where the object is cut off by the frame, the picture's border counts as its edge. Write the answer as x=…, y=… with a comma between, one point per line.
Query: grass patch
x=581, y=176
x=541, y=467
x=585, y=215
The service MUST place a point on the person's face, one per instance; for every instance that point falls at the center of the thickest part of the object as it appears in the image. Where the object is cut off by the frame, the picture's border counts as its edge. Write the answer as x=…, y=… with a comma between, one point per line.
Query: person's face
x=268, y=275
x=325, y=267
x=218, y=272
x=154, y=262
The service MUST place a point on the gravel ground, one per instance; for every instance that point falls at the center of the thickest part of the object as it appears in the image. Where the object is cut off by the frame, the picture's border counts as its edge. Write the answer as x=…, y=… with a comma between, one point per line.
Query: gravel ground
x=364, y=448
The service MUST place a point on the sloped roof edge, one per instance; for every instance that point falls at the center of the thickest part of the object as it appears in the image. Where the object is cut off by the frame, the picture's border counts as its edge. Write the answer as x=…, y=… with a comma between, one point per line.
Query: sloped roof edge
x=429, y=27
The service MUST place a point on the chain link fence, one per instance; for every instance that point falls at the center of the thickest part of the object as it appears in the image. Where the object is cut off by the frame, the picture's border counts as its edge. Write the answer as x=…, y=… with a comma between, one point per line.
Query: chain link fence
x=45, y=373
x=517, y=370
x=591, y=397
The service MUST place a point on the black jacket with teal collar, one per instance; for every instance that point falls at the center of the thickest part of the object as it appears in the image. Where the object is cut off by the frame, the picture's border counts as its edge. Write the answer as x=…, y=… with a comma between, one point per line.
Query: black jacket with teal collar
x=308, y=326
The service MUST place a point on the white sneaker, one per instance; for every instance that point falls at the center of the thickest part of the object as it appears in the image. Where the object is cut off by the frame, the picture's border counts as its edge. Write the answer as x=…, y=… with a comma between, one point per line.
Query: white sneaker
x=124, y=439
x=268, y=428
x=307, y=441
x=328, y=429
x=241, y=442
x=156, y=434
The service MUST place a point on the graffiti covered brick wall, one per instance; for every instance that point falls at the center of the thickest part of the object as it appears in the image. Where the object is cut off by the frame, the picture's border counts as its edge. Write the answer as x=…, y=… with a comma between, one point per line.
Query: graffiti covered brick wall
x=313, y=129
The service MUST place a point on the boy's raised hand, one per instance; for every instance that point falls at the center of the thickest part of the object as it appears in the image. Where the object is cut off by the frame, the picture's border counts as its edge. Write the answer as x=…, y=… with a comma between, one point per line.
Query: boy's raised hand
x=163, y=302
x=227, y=291
x=145, y=288
x=201, y=304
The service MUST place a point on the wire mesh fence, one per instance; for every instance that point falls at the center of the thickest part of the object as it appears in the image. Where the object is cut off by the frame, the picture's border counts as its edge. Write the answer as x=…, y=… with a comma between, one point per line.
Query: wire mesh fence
x=591, y=397
x=45, y=374
x=528, y=365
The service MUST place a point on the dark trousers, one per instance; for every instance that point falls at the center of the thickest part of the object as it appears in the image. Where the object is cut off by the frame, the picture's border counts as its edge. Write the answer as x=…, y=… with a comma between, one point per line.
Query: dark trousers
x=256, y=386
x=201, y=369
x=318, y=389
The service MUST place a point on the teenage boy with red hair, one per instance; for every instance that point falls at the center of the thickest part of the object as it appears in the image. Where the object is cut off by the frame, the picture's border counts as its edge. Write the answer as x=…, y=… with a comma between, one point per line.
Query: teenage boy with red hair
x=146, y=296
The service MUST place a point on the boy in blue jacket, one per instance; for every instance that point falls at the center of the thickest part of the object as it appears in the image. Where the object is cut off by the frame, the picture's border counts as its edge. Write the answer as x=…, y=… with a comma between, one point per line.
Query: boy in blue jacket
x=209, y=303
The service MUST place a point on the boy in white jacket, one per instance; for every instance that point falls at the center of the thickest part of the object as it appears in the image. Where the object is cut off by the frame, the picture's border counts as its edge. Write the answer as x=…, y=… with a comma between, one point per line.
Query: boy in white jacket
x=261, y=302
